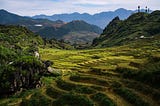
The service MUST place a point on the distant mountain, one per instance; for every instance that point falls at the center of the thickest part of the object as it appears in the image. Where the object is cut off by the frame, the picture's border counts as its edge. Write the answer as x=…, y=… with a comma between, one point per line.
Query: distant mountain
x=138, y=27
x=99, y=19
x=75, y=31
x=52, y=29
x=7, y=18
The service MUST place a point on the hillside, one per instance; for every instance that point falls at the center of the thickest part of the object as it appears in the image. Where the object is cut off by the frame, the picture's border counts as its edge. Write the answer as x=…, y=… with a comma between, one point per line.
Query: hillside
x=19, y=68
x=80, y=29
x=125, y=75
x=137, y=28
x=99, y=19
x=32, y=24
x=52, y=29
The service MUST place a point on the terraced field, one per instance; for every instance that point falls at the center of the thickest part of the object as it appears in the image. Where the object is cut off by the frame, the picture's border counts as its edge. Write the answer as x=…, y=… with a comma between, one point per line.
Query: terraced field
x=98, y=77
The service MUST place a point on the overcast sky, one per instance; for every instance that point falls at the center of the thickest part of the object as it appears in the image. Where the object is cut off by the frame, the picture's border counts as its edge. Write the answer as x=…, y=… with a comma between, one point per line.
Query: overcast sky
x=50, y=7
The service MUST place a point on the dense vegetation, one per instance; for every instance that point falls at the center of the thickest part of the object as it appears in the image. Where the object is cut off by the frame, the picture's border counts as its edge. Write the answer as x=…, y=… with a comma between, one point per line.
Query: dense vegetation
x=137, y=27
x=75, y=31
x=19, y=69
x=125, y=75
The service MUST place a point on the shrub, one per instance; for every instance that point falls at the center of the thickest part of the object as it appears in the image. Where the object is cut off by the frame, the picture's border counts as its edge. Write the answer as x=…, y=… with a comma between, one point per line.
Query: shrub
x=130, y=96
x=71, y=99
x=95, y=57
x=53, y=92
x=36, y=100
x=73, y=87
x=103, y=99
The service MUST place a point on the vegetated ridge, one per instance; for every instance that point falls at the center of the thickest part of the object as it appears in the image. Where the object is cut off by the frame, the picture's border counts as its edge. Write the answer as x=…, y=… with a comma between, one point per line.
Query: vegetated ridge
x=125, y=75
x=54, y=29
x=19, y=68
x=137, y=28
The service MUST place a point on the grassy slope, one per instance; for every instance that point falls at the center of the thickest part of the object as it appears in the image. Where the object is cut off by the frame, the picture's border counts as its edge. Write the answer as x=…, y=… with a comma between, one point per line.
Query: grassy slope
x=123, y=75
x=90, y=77
x=138, y=25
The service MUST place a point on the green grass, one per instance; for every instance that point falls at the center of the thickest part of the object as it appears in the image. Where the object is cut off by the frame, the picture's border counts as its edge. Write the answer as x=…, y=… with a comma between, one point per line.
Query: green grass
x=91, y=76
x=74, y=87
x=71, y=59
x=72, y=99
x=103, y=99
x=130, y=96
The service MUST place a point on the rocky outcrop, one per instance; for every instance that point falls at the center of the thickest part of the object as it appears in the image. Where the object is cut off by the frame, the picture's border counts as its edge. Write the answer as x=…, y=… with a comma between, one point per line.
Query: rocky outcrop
x=24, y=73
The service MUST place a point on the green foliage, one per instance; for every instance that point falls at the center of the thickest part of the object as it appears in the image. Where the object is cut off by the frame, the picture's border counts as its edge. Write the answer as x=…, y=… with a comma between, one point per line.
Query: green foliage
x=103, y=99
x=130, y=30
x=10, y=36
x=149, y=74
x=130, y=96
x=95, y=57
x=74, y=26
x=7, y=77
x=28, y=61
x=36, y=99
x=53, y=92
x=18, y=67
x=53, y=43
x=144, y=89
x=71, y=99
x=73, y=87
x=6, y=55
x=88, y=79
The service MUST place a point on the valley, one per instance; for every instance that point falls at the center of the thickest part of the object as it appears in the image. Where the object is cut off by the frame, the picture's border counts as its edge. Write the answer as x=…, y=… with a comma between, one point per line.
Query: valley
x=98, y=77
x=121, y=67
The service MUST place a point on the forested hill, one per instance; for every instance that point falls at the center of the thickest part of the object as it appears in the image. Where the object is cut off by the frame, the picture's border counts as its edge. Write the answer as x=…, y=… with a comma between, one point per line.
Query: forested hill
x=138, y=27
x=20, y=63
x=7, y=18
x=19, y=68
x=83, y=32
x=74, y=26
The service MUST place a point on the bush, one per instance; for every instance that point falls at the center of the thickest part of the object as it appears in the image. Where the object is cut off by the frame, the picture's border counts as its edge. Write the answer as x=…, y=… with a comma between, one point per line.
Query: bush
x=53, y=93
x=130, y=96
x=71, y=99
x=103, y=99
x=95, y=57
x=36, y=100
x=73, y=87
x=149, y=75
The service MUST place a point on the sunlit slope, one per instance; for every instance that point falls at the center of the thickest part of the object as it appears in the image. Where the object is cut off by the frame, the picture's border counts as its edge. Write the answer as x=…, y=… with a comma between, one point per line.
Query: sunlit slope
x=126, y=75
x=117, y=76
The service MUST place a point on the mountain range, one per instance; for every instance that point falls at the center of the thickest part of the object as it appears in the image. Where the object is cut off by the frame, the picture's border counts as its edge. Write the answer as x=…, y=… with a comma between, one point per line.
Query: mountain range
x=53, y=29
x=99, y=19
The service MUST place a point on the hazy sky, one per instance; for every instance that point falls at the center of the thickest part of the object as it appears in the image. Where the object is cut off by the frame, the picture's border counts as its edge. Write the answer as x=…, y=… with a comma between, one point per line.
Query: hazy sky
x=50, y=7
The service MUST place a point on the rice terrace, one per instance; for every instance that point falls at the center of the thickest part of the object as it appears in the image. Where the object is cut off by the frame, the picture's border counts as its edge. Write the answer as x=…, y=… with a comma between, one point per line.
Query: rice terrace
x=79, y=53
x=104, y=77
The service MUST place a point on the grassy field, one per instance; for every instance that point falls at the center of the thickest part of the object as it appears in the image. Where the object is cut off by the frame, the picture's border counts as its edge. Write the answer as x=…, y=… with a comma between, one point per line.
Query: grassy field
x=97, y=77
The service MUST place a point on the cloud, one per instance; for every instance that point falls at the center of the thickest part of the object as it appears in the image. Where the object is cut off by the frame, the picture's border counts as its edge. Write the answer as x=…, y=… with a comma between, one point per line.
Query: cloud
x=49, y=7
